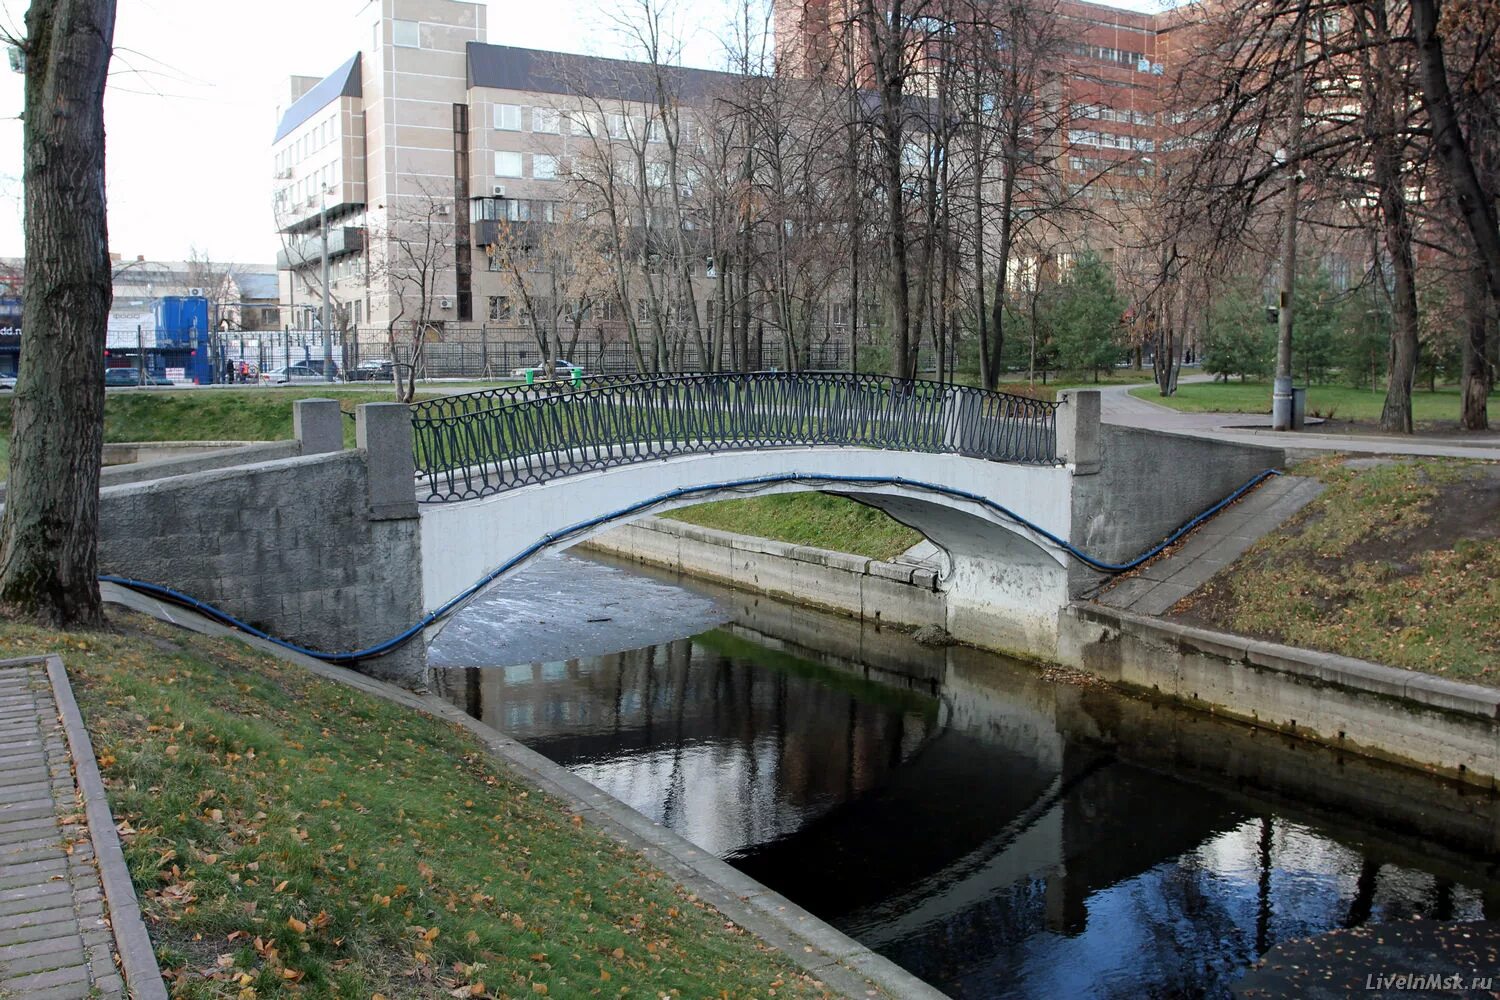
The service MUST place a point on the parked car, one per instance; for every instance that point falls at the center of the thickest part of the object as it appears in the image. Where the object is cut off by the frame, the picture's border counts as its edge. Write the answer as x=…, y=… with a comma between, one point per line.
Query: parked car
x=132, y=376
x=7, y=381
x=374, y=370
x=564, y=369
x=298, y=374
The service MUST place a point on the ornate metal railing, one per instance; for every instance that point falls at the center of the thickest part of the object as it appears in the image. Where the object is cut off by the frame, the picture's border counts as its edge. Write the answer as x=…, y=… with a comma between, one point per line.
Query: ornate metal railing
x=482, y=443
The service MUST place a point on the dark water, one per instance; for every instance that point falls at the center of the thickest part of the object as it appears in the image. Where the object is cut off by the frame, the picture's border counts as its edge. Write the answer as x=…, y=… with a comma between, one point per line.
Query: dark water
x=997, y=834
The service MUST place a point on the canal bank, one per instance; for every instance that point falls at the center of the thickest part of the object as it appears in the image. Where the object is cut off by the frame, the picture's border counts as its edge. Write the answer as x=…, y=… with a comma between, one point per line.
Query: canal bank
x=998, y=830
x=835, y=964
x=1355, y=706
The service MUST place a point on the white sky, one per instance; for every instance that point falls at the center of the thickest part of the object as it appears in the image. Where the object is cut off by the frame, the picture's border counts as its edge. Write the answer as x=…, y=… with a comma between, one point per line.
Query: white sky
x=191, y=106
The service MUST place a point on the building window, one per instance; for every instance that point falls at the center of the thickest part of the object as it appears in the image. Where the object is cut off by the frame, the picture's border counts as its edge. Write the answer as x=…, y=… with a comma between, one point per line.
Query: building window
x=508, y=164
x=508, y=117
x=543, y=167
x=616, y=125
x=406, y=33
x=546, y=120
x=500, y=311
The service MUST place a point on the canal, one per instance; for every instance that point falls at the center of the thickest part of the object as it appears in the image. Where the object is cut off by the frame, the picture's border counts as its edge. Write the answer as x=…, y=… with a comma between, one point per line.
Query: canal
x=996, y=830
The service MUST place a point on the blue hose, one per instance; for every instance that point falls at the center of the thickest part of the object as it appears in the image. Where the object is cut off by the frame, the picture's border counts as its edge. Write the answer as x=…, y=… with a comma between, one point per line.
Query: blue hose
x=393, y=643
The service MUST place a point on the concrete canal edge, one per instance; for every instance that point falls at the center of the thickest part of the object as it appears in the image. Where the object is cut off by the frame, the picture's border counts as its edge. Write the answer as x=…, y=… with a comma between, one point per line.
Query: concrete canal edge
x=837, y=960
x=890, y=593
x=1401, y=716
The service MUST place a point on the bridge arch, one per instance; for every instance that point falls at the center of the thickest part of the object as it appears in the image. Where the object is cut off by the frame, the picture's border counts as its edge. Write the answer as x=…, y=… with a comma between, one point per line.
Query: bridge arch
x=1004, y=585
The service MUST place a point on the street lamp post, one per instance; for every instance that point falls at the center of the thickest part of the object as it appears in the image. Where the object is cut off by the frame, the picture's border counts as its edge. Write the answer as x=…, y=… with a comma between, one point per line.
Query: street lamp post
x=327, y=337
x=1282, y=410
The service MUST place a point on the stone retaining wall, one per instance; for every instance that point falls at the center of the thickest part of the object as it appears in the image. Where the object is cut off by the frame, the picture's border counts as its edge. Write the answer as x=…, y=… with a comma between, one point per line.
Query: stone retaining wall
x=869, y=589
x=1366, y=708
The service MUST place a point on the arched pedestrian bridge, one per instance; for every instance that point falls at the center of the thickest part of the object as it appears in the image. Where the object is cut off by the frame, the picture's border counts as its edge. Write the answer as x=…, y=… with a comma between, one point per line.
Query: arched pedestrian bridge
x=506, y=475
x=342, y=550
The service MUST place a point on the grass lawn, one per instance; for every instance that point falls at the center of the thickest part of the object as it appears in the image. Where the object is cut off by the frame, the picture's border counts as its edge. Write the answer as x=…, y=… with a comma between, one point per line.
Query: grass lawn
x=292, y=837
x=817, y=519
x=1399, y=563
x=1337, y=401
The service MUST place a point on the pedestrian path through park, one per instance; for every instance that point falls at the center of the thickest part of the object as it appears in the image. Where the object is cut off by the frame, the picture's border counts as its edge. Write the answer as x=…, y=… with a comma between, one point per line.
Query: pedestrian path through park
x=56, y=938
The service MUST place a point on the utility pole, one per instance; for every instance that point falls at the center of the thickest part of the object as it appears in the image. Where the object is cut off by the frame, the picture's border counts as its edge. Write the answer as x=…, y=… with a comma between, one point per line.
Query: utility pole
x=327, y=335
x=1281, y=388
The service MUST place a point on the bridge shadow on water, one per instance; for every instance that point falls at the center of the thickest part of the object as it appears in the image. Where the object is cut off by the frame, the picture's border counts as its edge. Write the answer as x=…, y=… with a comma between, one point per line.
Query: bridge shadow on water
x=997, y=833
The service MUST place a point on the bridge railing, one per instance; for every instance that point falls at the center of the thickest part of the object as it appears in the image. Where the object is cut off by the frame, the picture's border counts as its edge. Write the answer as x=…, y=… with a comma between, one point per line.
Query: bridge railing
x=474, y=446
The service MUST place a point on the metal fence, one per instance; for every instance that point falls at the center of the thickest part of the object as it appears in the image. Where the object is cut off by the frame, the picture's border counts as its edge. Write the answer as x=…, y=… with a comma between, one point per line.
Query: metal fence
x=477, y=444
x=495, y=352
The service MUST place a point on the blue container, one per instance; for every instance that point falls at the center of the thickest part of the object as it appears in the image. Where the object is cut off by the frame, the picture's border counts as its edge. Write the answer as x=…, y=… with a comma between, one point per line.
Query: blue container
x=182, y=328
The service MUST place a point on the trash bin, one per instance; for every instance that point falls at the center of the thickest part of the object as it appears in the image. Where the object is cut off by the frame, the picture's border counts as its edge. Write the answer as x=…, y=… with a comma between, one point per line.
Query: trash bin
x=531, y=376
x=1299, y=407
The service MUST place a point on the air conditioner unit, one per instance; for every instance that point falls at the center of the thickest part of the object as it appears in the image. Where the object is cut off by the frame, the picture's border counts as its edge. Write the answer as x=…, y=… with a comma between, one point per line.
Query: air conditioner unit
x=445, y=210
x=498, y=191
x=445, y=303
x=195, y=293
x=282, y=175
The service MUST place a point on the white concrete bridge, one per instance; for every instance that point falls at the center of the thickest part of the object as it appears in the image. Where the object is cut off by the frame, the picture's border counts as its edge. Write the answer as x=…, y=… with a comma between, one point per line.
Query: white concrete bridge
x=345, y=551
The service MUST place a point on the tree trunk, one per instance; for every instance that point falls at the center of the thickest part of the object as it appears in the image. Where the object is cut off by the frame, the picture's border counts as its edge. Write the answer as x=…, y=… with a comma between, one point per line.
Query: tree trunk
x=1475, y=387
x=1395, y=224
x=1452, y=148
x=49, y=536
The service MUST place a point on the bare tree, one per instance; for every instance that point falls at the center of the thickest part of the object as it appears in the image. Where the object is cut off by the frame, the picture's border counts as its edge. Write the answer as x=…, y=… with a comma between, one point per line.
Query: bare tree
x=410, y=252
x=49, y=533
x=219, y=282
x=558, y=275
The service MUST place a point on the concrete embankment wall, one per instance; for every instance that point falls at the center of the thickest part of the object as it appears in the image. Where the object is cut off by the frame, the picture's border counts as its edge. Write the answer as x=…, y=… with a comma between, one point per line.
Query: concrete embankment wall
x=1366, y=708
x=1150, y=483
x=893, y=593
x=322, y=550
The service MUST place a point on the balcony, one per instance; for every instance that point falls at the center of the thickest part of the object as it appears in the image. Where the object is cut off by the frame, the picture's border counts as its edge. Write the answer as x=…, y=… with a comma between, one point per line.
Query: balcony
x=302, y=251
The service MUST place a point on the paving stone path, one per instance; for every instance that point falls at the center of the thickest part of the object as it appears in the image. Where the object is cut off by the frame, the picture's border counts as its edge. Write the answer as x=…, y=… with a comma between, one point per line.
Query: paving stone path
x=55, y=943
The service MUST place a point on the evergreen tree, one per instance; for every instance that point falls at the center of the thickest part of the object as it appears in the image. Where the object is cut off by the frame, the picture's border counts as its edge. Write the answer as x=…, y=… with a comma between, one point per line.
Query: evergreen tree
x=1320, y=308
x=1237, y=339
x=1084, y=316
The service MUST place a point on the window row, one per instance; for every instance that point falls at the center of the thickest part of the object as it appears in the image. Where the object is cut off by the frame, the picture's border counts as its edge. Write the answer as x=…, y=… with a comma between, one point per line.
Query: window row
x=1097, y=165
x=306, y=191
x=551, y=121
x=1103, y=112
x=544, y=166
x=1110, y=140
x=314, y=139
x=1102, y=53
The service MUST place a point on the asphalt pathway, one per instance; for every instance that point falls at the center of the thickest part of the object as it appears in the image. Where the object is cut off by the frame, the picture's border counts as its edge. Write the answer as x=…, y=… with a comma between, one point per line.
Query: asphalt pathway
x=1118, y=406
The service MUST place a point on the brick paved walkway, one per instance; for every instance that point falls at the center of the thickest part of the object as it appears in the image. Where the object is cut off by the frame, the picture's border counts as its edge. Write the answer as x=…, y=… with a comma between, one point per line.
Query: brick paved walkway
x=55, y=943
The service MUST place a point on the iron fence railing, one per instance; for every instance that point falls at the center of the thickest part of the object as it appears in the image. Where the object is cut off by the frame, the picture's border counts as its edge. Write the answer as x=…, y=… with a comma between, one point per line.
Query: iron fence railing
x=483, y=443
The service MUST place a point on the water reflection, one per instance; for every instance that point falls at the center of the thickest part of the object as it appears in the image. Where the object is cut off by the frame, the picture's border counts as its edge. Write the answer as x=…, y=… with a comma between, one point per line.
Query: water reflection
x=998, y=835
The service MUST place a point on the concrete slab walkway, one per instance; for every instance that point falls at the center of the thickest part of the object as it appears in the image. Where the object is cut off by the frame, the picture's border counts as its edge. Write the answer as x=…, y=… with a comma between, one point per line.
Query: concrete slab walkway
x=56, y=938
x=1153, y=589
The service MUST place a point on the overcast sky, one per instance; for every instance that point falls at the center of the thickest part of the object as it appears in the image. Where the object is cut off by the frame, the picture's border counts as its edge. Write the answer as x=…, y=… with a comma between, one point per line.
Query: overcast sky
x=191, y=106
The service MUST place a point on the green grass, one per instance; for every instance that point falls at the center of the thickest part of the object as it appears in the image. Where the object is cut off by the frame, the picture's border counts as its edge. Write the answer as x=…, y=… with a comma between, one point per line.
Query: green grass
x=817, y=519
x=1399, y=564
x=1336, y=401
x=293, y=837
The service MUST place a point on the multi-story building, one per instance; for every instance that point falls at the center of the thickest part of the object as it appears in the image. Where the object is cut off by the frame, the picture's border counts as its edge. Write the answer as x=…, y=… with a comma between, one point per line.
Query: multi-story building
x=421, y=149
